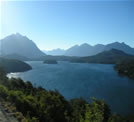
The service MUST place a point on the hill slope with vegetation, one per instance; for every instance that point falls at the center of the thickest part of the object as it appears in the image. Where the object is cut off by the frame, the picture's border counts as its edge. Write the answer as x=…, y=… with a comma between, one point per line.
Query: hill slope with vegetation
x=10, y=65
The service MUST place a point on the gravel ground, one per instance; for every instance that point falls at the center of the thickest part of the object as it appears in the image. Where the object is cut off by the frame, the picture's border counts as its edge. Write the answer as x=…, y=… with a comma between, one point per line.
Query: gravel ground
x=6, y=117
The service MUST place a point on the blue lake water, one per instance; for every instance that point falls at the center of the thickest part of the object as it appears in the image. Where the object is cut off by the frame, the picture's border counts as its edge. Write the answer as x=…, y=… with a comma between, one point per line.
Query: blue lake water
x=75, y=80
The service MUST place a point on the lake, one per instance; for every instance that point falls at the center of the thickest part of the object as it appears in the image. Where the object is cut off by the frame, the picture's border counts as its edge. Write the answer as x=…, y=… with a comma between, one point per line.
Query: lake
x=74, y=80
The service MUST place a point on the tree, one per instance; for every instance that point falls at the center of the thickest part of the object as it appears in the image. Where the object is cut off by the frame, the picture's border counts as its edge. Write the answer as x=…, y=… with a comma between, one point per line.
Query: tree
x=98, y=111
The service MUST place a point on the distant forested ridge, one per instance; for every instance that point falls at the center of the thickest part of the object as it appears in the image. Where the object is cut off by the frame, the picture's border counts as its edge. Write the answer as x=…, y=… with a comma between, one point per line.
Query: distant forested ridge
x=112, y=56
x=10, y=65
x=35, y=104
x=17, y=57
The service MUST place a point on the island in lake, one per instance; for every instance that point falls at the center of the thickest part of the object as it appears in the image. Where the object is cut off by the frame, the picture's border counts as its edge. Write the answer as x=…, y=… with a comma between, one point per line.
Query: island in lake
x=50, y=62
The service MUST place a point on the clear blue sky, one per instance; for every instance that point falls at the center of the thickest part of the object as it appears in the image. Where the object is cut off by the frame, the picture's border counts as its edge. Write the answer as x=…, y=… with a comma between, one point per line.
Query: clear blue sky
x=63, y=24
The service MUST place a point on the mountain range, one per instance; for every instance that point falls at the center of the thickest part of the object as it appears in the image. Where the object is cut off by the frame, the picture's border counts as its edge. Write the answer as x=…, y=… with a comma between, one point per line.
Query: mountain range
x=112, y=56
x=88, y=50
x=19, y=45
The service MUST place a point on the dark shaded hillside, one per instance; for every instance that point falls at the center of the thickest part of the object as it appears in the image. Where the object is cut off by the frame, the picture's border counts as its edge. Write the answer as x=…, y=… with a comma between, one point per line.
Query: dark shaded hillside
x=107, y=57
x=125, y=69
x=14, y=65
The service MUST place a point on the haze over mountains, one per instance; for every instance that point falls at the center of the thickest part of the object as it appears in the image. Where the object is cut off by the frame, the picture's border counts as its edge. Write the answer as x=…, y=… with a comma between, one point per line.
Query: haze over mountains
x=18, y=45
x=57, y=51
x=88, y=50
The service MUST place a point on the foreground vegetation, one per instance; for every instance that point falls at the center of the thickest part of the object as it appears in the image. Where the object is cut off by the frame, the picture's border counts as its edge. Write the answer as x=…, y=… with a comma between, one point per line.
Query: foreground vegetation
x=40, y=105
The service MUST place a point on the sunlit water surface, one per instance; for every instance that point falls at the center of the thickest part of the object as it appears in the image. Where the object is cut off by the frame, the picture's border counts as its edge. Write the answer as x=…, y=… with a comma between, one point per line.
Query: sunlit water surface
x=74, y=80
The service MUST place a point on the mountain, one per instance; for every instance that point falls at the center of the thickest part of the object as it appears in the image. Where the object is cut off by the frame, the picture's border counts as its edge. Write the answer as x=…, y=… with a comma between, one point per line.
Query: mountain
x=55, y=52
x=20, y=45
x=82, y=50
x=97, y=49
x=120, y=46
x=88, y=50
x=107, y=57
x=10, y=65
